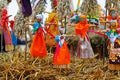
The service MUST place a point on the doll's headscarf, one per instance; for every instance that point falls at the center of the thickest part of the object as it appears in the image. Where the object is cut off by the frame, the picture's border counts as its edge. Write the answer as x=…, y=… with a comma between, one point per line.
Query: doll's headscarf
x=40, y=16
x=83, y=19
x=82, y=27
x=61, y=28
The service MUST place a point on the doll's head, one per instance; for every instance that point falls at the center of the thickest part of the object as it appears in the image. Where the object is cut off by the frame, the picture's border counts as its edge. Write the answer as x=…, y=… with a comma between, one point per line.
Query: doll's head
x=61, y=30
x=113, y=12
x=39, y=17
x=83, y=19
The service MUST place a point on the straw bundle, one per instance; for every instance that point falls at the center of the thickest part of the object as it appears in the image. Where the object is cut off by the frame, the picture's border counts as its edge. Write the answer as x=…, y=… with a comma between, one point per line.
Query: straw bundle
x=89, y=7
x=14, y=67
x=21, y=20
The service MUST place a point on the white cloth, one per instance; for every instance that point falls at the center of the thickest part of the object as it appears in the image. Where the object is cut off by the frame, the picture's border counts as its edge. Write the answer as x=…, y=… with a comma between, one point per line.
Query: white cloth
x=61, y=28
x=9, y=27
x=39, y=16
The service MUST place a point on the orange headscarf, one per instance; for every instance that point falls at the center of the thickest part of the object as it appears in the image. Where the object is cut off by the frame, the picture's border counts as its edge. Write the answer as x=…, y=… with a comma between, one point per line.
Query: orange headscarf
x=82, y=27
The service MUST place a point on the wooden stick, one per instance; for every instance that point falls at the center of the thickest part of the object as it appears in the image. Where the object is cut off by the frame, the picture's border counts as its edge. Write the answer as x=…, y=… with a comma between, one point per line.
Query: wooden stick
x=45, y=23
x=50, y=23
x=47, y=12
x=70, y=35
x=29, y=23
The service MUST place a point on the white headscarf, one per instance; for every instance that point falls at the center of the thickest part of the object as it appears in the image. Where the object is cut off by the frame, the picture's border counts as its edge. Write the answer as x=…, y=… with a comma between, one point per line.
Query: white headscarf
x=61, y=29
x=39, y=16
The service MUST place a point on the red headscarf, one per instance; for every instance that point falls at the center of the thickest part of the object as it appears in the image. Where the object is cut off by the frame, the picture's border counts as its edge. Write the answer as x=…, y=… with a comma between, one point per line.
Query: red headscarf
x=82, y=27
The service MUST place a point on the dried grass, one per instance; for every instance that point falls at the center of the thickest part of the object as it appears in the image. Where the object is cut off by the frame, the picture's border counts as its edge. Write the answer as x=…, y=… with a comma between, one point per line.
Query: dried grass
x=13, y=66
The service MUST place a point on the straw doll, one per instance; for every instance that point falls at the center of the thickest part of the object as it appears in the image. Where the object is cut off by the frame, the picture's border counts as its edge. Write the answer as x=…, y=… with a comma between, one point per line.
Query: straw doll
x=84, y=49
x=61, y=57
x=38, y=47
x=52, y=27
x=6, y=32
x=114, y=46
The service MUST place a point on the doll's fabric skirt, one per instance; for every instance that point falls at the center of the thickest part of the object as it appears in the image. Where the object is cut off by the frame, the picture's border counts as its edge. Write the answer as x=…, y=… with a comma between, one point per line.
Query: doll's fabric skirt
x=62, y=55
x=38, y=47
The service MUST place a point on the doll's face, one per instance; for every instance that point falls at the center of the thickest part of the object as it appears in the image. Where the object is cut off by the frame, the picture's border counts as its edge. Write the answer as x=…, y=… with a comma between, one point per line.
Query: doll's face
x=82, y=20
x=113, y=13
x=39, y=19
x=61, y=31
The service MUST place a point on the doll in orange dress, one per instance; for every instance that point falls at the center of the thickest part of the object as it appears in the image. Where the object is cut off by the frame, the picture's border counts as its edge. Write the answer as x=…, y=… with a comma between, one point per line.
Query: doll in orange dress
x=61, y=57
x=38, y=46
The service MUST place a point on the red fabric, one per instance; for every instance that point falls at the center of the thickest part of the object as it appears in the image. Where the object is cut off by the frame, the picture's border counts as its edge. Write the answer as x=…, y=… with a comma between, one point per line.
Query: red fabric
x=82, y=27
x=110, y=18
x=62, y=55
x=6, y=32
x=11, y=24
x=4, y=16
x=55, y=3
x=38, y=47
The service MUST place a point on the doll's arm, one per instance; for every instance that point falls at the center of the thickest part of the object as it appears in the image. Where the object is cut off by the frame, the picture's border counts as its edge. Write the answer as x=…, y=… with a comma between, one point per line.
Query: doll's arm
x=102, y=31
x=72, y=25
x=50, y=23
x=70, y=35
x=29, y=24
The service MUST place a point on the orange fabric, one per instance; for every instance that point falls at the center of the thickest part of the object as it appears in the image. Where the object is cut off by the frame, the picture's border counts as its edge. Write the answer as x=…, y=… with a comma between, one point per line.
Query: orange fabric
x=38, y=47
x=82, y=27
x=54, y=30
x=63, y=55
x=110, y=18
